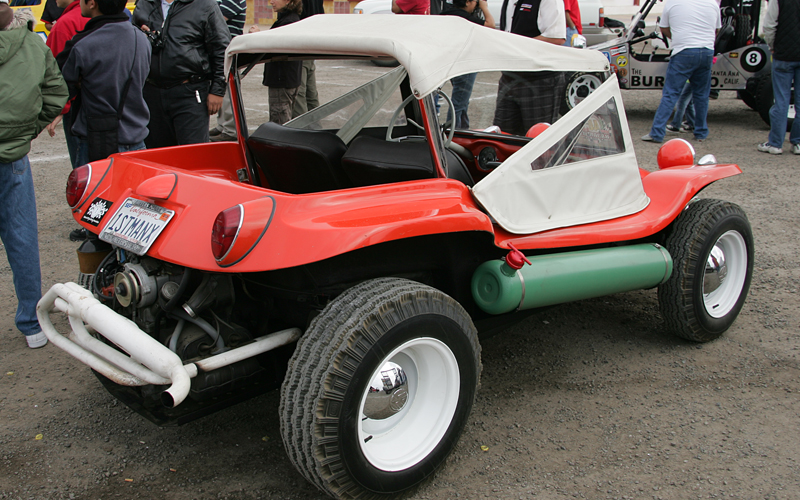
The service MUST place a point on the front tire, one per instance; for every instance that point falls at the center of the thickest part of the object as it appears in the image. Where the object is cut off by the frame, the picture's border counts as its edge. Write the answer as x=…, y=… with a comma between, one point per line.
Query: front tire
x=342, y=429
x=711, y=245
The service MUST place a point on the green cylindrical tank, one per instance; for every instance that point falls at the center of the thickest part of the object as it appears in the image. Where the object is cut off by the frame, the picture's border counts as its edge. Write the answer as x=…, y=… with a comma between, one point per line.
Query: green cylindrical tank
x=565, y=277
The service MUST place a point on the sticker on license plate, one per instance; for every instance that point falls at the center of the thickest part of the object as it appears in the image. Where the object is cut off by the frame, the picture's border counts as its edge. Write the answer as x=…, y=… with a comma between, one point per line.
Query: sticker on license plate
x=136, y=225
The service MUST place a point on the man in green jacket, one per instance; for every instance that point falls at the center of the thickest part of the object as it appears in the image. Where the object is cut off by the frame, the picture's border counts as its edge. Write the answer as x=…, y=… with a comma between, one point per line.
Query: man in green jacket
x=32, y=94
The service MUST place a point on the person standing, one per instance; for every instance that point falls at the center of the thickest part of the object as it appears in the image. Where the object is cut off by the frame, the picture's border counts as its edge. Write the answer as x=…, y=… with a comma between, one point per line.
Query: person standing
x=573, y=18
x=462, y=85
x=235, y=14
x=307, y=96
x=282, y=77
x=69, y=23
x=692, y=26
x=525, y=99
x=186, y=82
x=421, y=7
x=105, y=67
x=781, y=32
x=51, y=13
x=32, y=94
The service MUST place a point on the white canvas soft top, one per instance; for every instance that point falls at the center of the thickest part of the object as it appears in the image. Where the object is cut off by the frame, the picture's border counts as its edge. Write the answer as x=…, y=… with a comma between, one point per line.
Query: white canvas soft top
x=562, y=178
x=433, y=49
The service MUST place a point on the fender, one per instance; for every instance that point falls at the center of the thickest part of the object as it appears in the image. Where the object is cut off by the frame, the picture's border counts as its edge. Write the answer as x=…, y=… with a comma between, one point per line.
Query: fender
x=303, y=229
x=669, y=191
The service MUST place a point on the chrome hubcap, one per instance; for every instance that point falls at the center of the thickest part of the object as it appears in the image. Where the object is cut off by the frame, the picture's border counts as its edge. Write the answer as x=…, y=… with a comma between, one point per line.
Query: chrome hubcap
x=716, y=270
x=408, y=404
x=725, y=274
x=388, y=392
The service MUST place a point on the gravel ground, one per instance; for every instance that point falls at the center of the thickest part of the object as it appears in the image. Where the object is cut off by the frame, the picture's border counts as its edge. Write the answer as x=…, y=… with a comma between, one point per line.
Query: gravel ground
x=587, y=400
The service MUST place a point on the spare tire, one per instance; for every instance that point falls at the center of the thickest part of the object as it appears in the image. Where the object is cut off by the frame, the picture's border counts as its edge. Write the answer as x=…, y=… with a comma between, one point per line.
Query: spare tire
x=743, y=30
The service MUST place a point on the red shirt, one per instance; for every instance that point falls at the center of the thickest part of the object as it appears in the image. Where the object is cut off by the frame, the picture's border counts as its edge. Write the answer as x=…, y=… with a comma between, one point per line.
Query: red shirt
x=70, y=22
x=416, y=6
x=574, y=10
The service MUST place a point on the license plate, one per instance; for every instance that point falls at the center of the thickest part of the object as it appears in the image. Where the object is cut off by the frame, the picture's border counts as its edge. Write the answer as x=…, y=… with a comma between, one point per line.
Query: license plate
x=136, y=225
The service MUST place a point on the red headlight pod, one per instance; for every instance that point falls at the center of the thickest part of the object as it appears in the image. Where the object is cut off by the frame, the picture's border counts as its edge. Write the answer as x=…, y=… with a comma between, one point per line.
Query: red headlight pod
x=239, y=229
x=226, y=228
x=675, y=153
x=77, y=183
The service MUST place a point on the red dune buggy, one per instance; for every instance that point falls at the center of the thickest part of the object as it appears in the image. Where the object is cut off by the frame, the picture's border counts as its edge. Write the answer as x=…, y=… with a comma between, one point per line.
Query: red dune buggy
x=353, y=255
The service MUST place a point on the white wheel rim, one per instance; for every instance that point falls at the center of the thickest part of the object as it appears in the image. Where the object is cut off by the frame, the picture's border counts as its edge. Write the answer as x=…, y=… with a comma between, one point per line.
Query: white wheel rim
x=433, y=383
x=590, y=82
x=725, y=274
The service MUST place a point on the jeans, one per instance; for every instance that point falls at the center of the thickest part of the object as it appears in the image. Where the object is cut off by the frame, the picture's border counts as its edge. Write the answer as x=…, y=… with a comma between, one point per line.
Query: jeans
x=570, y=32
x=784, y=75
x=693, y=65
x=684, y=108
x=462, y=91
x=82, y=154
x=20, y=236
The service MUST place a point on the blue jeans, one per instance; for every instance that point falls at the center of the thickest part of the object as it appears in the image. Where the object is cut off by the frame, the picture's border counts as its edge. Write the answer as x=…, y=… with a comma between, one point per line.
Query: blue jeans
x=20, y=236
x=784, y=75
x=684, y=108
x=462, y=91
x=82, y=155
x=693, y=65
x=570, y=32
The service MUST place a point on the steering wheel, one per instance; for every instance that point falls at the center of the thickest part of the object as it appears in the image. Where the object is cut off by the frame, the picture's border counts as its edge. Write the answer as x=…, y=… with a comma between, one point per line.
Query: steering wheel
x=448, y=137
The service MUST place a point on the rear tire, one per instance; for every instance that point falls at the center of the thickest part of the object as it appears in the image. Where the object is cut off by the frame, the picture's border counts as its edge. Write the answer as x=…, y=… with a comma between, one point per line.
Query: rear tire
x=341, y=428
x=711, y=245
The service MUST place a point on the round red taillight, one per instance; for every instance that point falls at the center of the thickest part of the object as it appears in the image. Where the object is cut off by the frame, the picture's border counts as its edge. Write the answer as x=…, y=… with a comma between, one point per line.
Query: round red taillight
x=77, y=182
x=226, y=227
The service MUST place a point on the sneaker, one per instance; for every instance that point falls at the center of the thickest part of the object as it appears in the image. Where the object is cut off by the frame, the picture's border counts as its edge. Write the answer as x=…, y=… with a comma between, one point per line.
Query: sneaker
x=765, y=147
x=214, y=132
x=77, y=234
x=685, y=127
x=647, y=138
x=36, y=340
x=796, y=148
x=673, y=128
x=222, y=136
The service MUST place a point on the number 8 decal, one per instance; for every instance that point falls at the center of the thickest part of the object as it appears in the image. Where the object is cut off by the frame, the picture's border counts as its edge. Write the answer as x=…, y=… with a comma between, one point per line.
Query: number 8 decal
x=753, y=59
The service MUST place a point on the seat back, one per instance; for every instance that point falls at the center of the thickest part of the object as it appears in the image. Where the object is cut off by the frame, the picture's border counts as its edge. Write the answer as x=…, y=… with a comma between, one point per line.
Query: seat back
x=299, y=161
x=370, y=161
x=723, y=39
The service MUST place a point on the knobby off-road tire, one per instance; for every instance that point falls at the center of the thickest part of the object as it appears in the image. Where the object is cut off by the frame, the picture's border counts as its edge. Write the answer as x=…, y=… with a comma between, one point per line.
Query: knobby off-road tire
x=418, y=350
x=711, y=245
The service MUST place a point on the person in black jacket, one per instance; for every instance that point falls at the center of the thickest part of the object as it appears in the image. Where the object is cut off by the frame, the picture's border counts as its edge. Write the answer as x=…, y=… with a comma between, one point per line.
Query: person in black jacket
x=186, y=83
x=283, y=77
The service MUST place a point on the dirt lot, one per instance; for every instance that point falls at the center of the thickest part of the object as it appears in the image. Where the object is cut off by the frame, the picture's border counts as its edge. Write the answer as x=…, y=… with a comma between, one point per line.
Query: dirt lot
x=588, y=400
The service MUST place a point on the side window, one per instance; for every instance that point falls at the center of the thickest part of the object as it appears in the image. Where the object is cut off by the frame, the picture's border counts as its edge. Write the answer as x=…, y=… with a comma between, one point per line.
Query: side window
x=598, y=135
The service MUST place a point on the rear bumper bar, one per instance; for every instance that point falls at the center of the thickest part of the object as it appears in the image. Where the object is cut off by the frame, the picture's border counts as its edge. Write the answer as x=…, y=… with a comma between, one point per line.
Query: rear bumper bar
x=144, y=360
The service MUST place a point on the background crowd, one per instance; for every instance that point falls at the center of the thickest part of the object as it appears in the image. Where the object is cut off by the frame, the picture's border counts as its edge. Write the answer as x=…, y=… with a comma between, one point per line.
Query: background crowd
x=117, y=81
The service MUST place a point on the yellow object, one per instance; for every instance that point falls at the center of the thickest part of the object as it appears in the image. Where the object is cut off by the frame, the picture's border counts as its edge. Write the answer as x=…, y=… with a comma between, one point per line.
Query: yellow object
x=39, y=437
x=37, y=8
x=484, y=447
